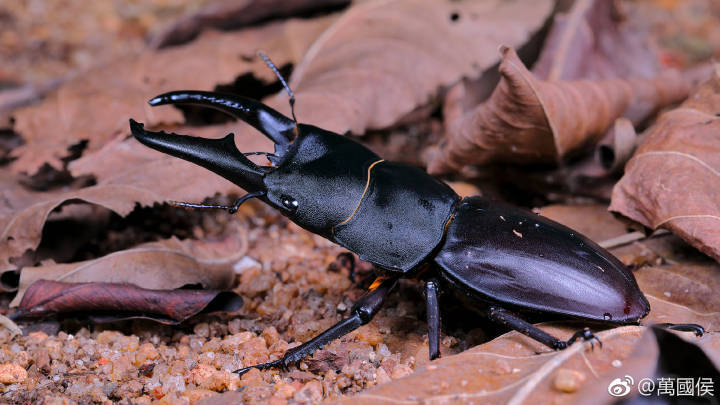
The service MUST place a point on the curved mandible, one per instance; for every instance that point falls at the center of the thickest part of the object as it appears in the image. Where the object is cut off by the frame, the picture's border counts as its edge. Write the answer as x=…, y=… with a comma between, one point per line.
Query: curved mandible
x=218, y=155
x=277, y=127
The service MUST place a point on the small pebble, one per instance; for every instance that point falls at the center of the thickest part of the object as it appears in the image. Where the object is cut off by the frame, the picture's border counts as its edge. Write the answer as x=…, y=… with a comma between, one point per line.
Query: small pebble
x=567, y=380
x=12, y=373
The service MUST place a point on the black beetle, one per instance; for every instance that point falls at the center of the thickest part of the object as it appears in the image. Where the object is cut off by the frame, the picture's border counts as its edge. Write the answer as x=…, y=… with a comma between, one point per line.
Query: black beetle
x=495, y=257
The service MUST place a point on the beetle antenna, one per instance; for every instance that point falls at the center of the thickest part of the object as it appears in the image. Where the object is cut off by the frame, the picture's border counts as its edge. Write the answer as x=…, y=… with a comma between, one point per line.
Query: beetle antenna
x=231, y=208
x=272, y=66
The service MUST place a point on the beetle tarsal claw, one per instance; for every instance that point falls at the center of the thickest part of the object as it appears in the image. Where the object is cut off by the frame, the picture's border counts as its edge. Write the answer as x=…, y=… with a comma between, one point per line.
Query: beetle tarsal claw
x=586, y=335
x=263, y=366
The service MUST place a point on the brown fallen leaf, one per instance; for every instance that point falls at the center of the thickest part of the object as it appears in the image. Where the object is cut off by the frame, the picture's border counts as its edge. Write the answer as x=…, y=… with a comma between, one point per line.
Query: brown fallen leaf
x=526, y=120
x=682, y=294
x=127, y=174
x=235, y=14
x=162, y=265
x=594, y=40
x=673, y=179
x=121, y=90
x=591, y=220
x=382, y=59
x=107, y=302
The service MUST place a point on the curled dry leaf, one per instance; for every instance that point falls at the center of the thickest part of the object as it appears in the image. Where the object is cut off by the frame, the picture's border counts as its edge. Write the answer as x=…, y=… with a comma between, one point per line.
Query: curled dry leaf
x=121, y=90
x=594, y=40
x=527, y=120
x=162, y=265
x=235, y=14
x=673, y=180
x=106, y=302
x=127, y=174
x=617, y=146
x=383, y=59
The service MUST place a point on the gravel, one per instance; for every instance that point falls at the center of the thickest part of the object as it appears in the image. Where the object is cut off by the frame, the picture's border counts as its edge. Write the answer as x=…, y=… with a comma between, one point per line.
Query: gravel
x=294, y=285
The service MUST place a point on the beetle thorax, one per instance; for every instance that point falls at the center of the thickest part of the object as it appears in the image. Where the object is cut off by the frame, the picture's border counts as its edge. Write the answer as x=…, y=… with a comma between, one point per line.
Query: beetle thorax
x=320, y=180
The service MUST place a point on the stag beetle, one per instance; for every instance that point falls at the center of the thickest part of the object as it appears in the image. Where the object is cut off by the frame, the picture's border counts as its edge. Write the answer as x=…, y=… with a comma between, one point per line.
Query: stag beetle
x=497, y=258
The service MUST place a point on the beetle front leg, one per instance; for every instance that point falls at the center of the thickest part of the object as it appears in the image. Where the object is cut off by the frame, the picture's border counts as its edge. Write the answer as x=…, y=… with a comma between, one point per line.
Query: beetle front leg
x=362, y=312
x=433, y=318
x=506, y=318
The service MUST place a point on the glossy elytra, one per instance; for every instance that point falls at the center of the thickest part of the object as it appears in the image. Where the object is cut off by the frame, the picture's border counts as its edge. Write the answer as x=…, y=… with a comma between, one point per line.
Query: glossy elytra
x=500, y=260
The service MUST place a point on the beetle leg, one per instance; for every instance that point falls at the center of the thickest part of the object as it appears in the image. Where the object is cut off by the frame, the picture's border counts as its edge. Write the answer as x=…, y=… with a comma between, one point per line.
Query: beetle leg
x=684, y=327
x=507, y=318
x=362, y=312
x=512, y=321
x=433, y=318
x=586, y=334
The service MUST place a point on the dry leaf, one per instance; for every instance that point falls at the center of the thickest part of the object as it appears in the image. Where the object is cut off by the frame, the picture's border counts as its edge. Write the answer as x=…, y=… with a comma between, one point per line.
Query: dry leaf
x=527, y=120
x=595, y=41
x=682, y=294
x=96, y=106
x=162, y=265
x=225, y=14
x=673, y=180
x=108, y=302
x=591, y=220
x=383, y=59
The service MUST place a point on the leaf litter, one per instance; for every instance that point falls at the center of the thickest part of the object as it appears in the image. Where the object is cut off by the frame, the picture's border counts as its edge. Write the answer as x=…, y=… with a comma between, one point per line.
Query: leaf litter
x=683, y=142
x=120, y=90
x=289, y=280
x=111, y=302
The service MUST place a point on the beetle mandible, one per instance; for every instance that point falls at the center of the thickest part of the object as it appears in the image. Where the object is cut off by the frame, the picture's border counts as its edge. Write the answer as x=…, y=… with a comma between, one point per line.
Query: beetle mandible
x=499, y=259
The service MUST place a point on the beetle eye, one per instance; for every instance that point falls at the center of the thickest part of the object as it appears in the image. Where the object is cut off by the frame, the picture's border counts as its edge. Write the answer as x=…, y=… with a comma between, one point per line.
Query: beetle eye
x=290, y=203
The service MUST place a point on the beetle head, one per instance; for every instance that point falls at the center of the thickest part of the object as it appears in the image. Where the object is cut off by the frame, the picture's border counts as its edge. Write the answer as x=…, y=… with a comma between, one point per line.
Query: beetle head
x=316, y=177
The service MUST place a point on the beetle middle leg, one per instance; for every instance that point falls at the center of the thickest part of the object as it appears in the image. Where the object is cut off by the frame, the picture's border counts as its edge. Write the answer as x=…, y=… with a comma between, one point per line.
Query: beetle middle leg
x=433, y=318
x=507, y=318
x=362, y=312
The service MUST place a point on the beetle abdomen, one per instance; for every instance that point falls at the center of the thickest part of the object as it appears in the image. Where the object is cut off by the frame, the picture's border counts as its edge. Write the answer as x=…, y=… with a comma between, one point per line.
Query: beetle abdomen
x=503, y=254
x=400, y=218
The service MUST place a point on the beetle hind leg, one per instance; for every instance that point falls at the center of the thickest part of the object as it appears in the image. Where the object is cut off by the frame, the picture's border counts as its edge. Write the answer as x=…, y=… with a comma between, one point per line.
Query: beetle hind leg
x=362, y=312
x=508, y=319
x=684, y=327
